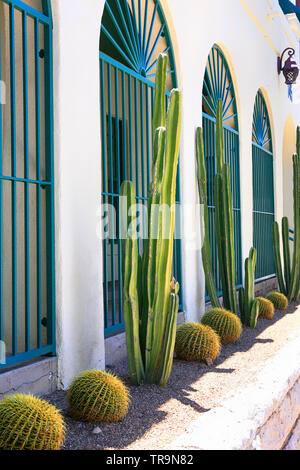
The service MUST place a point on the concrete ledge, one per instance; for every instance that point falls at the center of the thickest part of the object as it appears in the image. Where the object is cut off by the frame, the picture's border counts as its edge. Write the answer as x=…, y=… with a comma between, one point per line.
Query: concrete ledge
x=262, y=416
x=38, y=378
x=115, y=346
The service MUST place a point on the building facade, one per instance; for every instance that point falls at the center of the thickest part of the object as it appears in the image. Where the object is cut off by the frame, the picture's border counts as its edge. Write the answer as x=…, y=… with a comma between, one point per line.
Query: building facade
x=77, y=84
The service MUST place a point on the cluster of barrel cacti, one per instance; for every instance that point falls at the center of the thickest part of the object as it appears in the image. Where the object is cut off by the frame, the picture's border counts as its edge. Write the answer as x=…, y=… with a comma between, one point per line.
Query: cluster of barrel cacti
x=289, y=283
x=150, y=297
x=249, y=306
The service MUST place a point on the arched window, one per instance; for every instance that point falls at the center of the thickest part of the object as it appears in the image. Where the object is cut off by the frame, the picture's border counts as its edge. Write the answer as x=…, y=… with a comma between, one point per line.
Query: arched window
x=133, y=34
x=218, y=85
x=27, y=307
x=263, y=189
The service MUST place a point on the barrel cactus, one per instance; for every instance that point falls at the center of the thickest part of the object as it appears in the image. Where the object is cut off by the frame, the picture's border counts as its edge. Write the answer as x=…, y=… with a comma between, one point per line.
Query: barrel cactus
x=98, y=396
x=197, y=342
x=266, y=308
x=225, y=323
x=279, y=300
x=29, y=423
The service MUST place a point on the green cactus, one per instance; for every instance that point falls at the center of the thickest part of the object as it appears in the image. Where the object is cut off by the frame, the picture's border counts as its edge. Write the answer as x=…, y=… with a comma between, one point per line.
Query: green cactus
x=150, y=297
x=206, y=253
x=224, y=219
x=29, y=423
x=278, y=264
x=226, y=324
x=249, y=308
x=286, y=253
x=279, y=300
x=294, y=292
x=197, y=342
x=266, y=308
x=96, y=396
x=289, y=284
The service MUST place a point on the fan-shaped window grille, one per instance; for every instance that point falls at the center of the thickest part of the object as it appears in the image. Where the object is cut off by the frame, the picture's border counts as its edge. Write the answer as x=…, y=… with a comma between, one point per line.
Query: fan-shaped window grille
x=218, y=85
x=133, y=34
x=263, y=188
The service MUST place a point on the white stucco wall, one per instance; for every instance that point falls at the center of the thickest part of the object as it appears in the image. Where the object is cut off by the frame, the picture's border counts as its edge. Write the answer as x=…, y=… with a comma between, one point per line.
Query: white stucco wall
x=250, y=40
x=80, y=329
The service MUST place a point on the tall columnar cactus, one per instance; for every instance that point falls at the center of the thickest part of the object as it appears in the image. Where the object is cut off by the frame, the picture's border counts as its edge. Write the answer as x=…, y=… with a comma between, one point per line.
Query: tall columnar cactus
x=289, y=283
x=224, y=219
x=205, y=251
x=249, y=308
x=150, y=297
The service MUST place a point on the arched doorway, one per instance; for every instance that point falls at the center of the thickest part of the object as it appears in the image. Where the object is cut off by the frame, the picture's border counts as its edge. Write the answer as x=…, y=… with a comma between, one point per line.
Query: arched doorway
x=27, y=281
x=133, y=33
x=263, y=189
x=218, y=85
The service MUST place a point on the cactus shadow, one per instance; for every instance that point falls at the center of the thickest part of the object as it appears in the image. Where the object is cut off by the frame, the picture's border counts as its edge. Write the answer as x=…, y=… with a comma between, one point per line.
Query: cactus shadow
x=154, y=409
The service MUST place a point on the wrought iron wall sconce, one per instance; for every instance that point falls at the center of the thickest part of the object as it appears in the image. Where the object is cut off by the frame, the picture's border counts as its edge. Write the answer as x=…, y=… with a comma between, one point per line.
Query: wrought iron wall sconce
x=290, y=69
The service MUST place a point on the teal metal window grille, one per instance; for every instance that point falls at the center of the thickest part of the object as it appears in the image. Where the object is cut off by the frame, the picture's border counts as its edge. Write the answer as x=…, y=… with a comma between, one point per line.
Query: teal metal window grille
x=133, y=33
x=218, y=85
x=27, y=272
x=263, y=189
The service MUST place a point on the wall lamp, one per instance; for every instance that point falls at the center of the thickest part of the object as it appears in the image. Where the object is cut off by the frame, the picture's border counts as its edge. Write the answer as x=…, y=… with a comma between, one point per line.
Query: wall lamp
x=290, y=69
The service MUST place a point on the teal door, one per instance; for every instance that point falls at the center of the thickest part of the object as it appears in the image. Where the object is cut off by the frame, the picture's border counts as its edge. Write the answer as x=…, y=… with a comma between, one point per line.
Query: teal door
x=263, y=189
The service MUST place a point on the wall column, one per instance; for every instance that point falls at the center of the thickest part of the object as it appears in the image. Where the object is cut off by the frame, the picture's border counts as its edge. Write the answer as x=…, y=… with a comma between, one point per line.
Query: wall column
x=77, y=151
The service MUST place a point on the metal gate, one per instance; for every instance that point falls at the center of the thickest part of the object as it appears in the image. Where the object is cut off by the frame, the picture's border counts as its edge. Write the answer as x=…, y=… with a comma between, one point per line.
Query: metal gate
x=132, y=35
x=263, y=189
x=218, y=85
x=27, y=304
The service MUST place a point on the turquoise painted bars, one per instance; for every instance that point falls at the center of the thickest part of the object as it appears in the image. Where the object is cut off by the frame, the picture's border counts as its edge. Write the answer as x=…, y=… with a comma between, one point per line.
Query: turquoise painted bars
x=263, y=189
x=27, y=319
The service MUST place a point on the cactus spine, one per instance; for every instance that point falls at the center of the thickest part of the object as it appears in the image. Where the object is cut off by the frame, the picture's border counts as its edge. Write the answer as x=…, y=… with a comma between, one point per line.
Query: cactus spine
x=206, y=253
x=249, y=308
x=289, y=284
x=150, y=298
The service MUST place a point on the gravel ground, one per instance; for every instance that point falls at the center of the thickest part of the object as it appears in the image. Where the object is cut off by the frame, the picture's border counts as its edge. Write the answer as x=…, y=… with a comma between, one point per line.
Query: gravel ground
x=159, y=415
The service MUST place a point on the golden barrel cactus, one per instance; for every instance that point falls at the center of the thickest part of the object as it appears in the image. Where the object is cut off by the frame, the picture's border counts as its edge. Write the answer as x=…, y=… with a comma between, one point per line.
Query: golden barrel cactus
x=29, y=423
x=279, y=300
x=96, y=396
x=266, y=308
x=225, y=323
x=197, y=342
